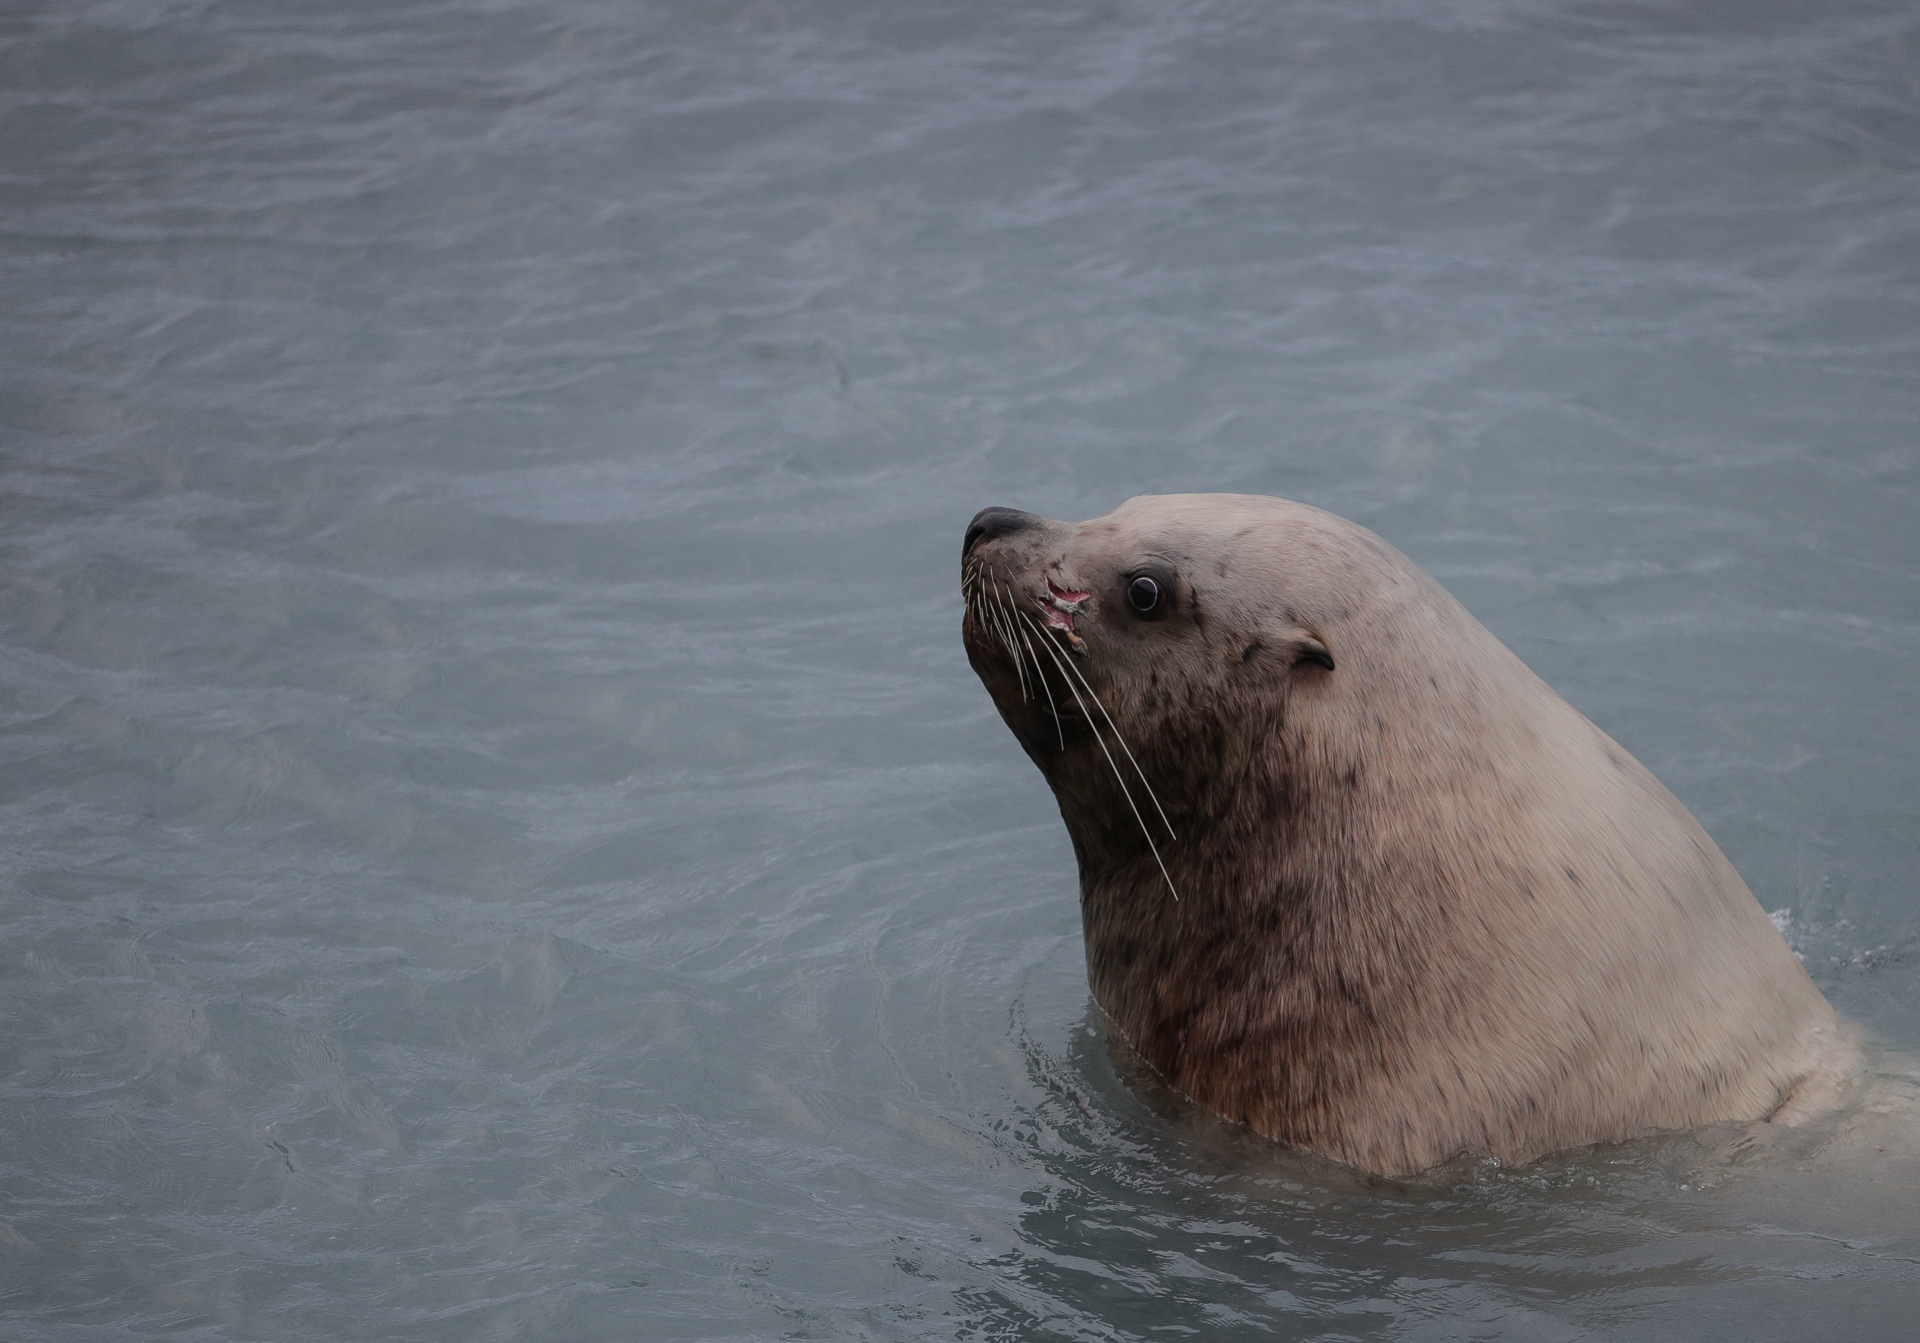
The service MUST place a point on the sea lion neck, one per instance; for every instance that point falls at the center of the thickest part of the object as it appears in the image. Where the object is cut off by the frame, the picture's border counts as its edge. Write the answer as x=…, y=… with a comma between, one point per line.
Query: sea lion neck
x=1276, y=984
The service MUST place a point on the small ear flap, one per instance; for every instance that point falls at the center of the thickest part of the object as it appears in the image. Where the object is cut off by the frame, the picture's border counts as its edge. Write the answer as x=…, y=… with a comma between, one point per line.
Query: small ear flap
x=1304, y=644
x=1312, y=650
x=1308, y=647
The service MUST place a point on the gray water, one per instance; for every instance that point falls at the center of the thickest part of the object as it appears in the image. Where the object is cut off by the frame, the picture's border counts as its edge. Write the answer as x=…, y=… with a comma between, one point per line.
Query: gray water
x=498, y=837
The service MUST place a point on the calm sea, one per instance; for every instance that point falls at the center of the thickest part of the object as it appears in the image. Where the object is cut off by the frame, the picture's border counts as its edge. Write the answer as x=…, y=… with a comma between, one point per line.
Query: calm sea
x=498, y=836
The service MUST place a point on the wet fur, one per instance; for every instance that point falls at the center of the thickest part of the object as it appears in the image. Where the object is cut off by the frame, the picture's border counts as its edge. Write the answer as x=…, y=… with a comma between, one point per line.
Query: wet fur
x=1424, y=906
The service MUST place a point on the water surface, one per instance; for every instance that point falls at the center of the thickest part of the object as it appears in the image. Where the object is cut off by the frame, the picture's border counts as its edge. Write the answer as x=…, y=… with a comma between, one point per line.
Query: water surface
x=498, y=838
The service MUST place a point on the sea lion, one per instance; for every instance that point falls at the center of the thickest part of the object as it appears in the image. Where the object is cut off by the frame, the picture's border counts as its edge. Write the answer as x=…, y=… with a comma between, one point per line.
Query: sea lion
x=1353, y=875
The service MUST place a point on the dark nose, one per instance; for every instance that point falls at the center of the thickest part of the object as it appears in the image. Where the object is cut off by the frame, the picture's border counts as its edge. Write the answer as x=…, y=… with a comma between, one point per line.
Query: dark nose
x=995, y=522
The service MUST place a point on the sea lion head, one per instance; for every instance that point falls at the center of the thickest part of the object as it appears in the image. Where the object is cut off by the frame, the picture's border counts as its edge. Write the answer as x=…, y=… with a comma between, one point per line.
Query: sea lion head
x=1152, y=661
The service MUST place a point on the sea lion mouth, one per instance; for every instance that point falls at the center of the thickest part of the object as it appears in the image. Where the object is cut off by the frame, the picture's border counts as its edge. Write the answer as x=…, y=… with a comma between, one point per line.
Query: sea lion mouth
x=1027, y=636
x=1067, y=712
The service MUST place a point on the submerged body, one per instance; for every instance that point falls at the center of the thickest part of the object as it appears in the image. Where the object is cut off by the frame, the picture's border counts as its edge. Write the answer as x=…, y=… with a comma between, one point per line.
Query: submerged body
x=1352, y=874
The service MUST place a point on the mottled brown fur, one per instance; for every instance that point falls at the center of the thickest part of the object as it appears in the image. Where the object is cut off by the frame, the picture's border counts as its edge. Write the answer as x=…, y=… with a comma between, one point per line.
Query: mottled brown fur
x=1425, y=906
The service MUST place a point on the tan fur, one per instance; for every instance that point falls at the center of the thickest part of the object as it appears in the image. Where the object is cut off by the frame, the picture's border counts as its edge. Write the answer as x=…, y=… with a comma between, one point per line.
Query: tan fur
x=1425, y=906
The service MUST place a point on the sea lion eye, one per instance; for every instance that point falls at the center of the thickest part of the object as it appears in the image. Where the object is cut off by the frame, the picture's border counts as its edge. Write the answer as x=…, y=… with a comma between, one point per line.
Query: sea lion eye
x=1144, y=595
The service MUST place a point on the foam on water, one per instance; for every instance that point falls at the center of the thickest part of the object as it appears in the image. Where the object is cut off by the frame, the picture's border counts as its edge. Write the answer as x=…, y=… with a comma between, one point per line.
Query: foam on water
x=500, y=838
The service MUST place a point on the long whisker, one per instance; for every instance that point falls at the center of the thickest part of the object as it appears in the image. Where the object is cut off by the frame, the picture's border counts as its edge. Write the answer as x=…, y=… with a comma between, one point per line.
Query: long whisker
x=1117, y=737
x=977, y=601
x=1006, y=636
x=1007, y=629
x=989, y=620
x=1112, y=764
x=1040, y=676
